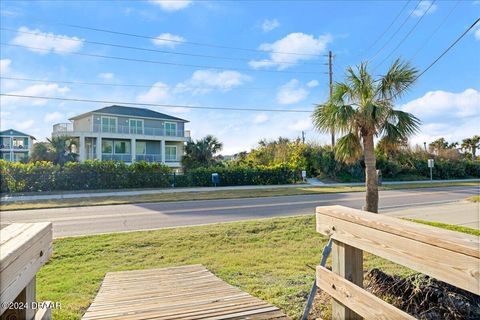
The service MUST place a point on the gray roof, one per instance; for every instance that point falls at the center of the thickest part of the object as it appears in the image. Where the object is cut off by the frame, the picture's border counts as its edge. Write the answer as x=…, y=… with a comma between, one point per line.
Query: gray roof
x=131, y=112
x=13, y=132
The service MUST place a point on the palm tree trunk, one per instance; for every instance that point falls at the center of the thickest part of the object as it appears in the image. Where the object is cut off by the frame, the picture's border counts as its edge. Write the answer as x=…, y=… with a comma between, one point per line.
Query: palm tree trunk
x=371, y=201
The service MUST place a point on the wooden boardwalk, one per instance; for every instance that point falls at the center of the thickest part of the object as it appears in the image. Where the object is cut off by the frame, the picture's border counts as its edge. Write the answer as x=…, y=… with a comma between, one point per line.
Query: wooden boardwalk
x=187, y=292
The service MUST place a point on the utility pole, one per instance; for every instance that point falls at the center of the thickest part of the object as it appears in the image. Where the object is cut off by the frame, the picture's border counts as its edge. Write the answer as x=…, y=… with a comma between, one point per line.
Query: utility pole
x=330, y=73
x=303, y=137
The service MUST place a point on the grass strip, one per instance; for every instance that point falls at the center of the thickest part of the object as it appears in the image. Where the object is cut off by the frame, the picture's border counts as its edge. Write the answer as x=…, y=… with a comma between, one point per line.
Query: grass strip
x=267, y=258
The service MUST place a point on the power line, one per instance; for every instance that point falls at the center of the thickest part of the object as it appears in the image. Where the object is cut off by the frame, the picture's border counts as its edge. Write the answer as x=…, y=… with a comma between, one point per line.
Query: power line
x=122, y=84
x=406, y=35
x=175, y=41
x=396, y=31
x=116, y=45
x=156, y=61
x=424, y=43
x=153, y=104
x=389, y=26
x=449, y=47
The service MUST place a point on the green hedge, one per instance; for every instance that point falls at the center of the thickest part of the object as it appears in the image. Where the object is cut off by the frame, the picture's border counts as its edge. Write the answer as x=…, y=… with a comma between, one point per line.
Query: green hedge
x=45, y=176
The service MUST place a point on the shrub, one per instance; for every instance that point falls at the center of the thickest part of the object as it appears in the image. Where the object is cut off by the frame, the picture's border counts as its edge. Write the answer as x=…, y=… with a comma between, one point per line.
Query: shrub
x=45, y=176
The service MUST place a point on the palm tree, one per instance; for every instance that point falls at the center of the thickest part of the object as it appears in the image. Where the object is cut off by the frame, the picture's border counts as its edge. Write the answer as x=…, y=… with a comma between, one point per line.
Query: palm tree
x=201, y=153
x=361, y=108
x=62, y=149
x=471, y=144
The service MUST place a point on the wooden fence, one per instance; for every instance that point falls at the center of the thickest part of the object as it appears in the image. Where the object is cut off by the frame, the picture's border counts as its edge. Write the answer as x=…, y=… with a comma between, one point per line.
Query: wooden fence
x=24, y=248
x=448, y=256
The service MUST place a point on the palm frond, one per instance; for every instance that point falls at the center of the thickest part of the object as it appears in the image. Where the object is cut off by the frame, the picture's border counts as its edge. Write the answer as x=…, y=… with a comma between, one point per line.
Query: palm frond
x=399, y=77
x=328, y=117
x=348, y=148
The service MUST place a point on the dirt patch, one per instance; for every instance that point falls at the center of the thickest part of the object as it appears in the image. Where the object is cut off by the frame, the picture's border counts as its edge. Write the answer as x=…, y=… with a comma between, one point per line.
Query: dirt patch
x=419, y=295
x=424, y=297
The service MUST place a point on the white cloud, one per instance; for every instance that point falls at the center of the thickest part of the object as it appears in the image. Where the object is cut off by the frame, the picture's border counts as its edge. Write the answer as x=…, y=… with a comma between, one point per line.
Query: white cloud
x=260, y=118
x=158, y=93
x=47, y=41
x=203, y=81
x=53, y=117
x=445, y=105
x=302, y=124
x=106, y=75
x=453, y=116
x=477, y=33
x=312, y=84
x=269, y=25
x=47, y=90
x=422, y=7
x=5, y=66
x=172, y=5
x=168, y=40
x=305, y=46
x=24, y=125
x=291, y=92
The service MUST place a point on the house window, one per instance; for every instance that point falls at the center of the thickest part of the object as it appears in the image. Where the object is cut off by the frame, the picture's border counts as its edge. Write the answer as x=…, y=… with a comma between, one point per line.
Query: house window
x=170, y=129
x=109, y=124
x=136, y=126
x=107, y=146
x=141, y=147
x=170, y=153
x=122, y=147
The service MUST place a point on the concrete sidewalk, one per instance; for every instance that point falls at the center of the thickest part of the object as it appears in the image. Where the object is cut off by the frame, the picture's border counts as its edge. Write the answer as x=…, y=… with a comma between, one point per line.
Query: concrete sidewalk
x=310, y=183
x=460, y=213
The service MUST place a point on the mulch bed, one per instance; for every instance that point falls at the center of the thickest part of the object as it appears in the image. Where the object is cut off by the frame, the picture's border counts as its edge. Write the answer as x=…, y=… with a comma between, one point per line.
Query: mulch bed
x=419, y=295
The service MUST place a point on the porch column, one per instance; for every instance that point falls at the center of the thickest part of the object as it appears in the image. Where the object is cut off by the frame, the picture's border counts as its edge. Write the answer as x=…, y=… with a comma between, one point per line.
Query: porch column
x=81, y=148
x=99, y=148
x=162, y=150
x=133, y=149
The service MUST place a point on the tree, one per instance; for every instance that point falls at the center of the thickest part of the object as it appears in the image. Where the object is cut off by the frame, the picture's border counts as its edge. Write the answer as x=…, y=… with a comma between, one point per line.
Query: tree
x=62, y=149
x=362, y=108
x=471, y=144
x=41, y=152
x=201, y=153
x=441, y=144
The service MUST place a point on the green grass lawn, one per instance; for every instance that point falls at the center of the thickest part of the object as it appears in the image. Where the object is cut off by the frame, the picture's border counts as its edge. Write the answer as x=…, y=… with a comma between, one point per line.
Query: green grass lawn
x=267, y=258
x=474, y=199
x=208, y=195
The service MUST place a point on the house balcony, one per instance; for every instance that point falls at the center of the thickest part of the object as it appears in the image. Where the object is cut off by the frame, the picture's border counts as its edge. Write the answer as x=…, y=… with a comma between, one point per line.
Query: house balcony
x=15, y=148
x=149, y=157
x=68, y=129
x=117, y=157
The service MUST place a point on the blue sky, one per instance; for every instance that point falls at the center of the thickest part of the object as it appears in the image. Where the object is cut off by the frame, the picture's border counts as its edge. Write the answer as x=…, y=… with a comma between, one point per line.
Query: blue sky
x=446, y=98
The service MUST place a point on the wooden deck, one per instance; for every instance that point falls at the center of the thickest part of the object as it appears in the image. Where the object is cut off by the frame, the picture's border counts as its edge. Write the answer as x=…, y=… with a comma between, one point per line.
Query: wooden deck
x=187, y=292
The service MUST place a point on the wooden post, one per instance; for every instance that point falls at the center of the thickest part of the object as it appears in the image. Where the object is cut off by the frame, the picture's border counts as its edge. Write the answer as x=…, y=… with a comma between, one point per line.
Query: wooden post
x=25, y=298
x=347, y=261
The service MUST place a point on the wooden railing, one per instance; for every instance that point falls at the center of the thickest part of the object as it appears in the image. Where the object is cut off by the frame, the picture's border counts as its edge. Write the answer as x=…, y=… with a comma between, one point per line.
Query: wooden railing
x=24, y=248
x=448, y=256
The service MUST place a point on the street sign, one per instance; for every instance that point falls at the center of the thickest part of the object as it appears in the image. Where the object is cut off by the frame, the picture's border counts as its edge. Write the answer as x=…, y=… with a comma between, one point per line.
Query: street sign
x=430, y=163
x=304, y=175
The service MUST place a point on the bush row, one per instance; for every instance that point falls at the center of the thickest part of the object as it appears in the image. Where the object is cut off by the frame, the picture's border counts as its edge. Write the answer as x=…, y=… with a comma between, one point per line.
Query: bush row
x=45, y=176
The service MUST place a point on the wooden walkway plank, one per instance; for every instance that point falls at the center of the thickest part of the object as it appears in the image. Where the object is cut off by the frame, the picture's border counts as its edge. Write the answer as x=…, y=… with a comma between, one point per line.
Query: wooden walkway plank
x=186, y=292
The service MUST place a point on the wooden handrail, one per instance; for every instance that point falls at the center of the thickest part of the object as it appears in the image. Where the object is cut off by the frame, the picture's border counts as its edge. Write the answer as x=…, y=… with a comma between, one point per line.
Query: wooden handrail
x=449, y=256
x=24, y=248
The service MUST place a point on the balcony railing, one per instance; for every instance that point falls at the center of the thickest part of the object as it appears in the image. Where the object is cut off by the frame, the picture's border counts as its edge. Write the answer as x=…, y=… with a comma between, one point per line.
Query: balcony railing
x=66, y=128
x=62, y=127
x=149, y=157
x=7, y=146
x=117, y=157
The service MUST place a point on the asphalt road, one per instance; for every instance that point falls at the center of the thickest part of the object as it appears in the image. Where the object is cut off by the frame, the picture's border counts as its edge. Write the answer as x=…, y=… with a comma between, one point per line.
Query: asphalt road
x=117, y=218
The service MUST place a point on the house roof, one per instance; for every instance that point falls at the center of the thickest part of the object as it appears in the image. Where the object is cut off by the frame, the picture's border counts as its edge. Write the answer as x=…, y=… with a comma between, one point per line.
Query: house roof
x=131, y=112
x=13, y=132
